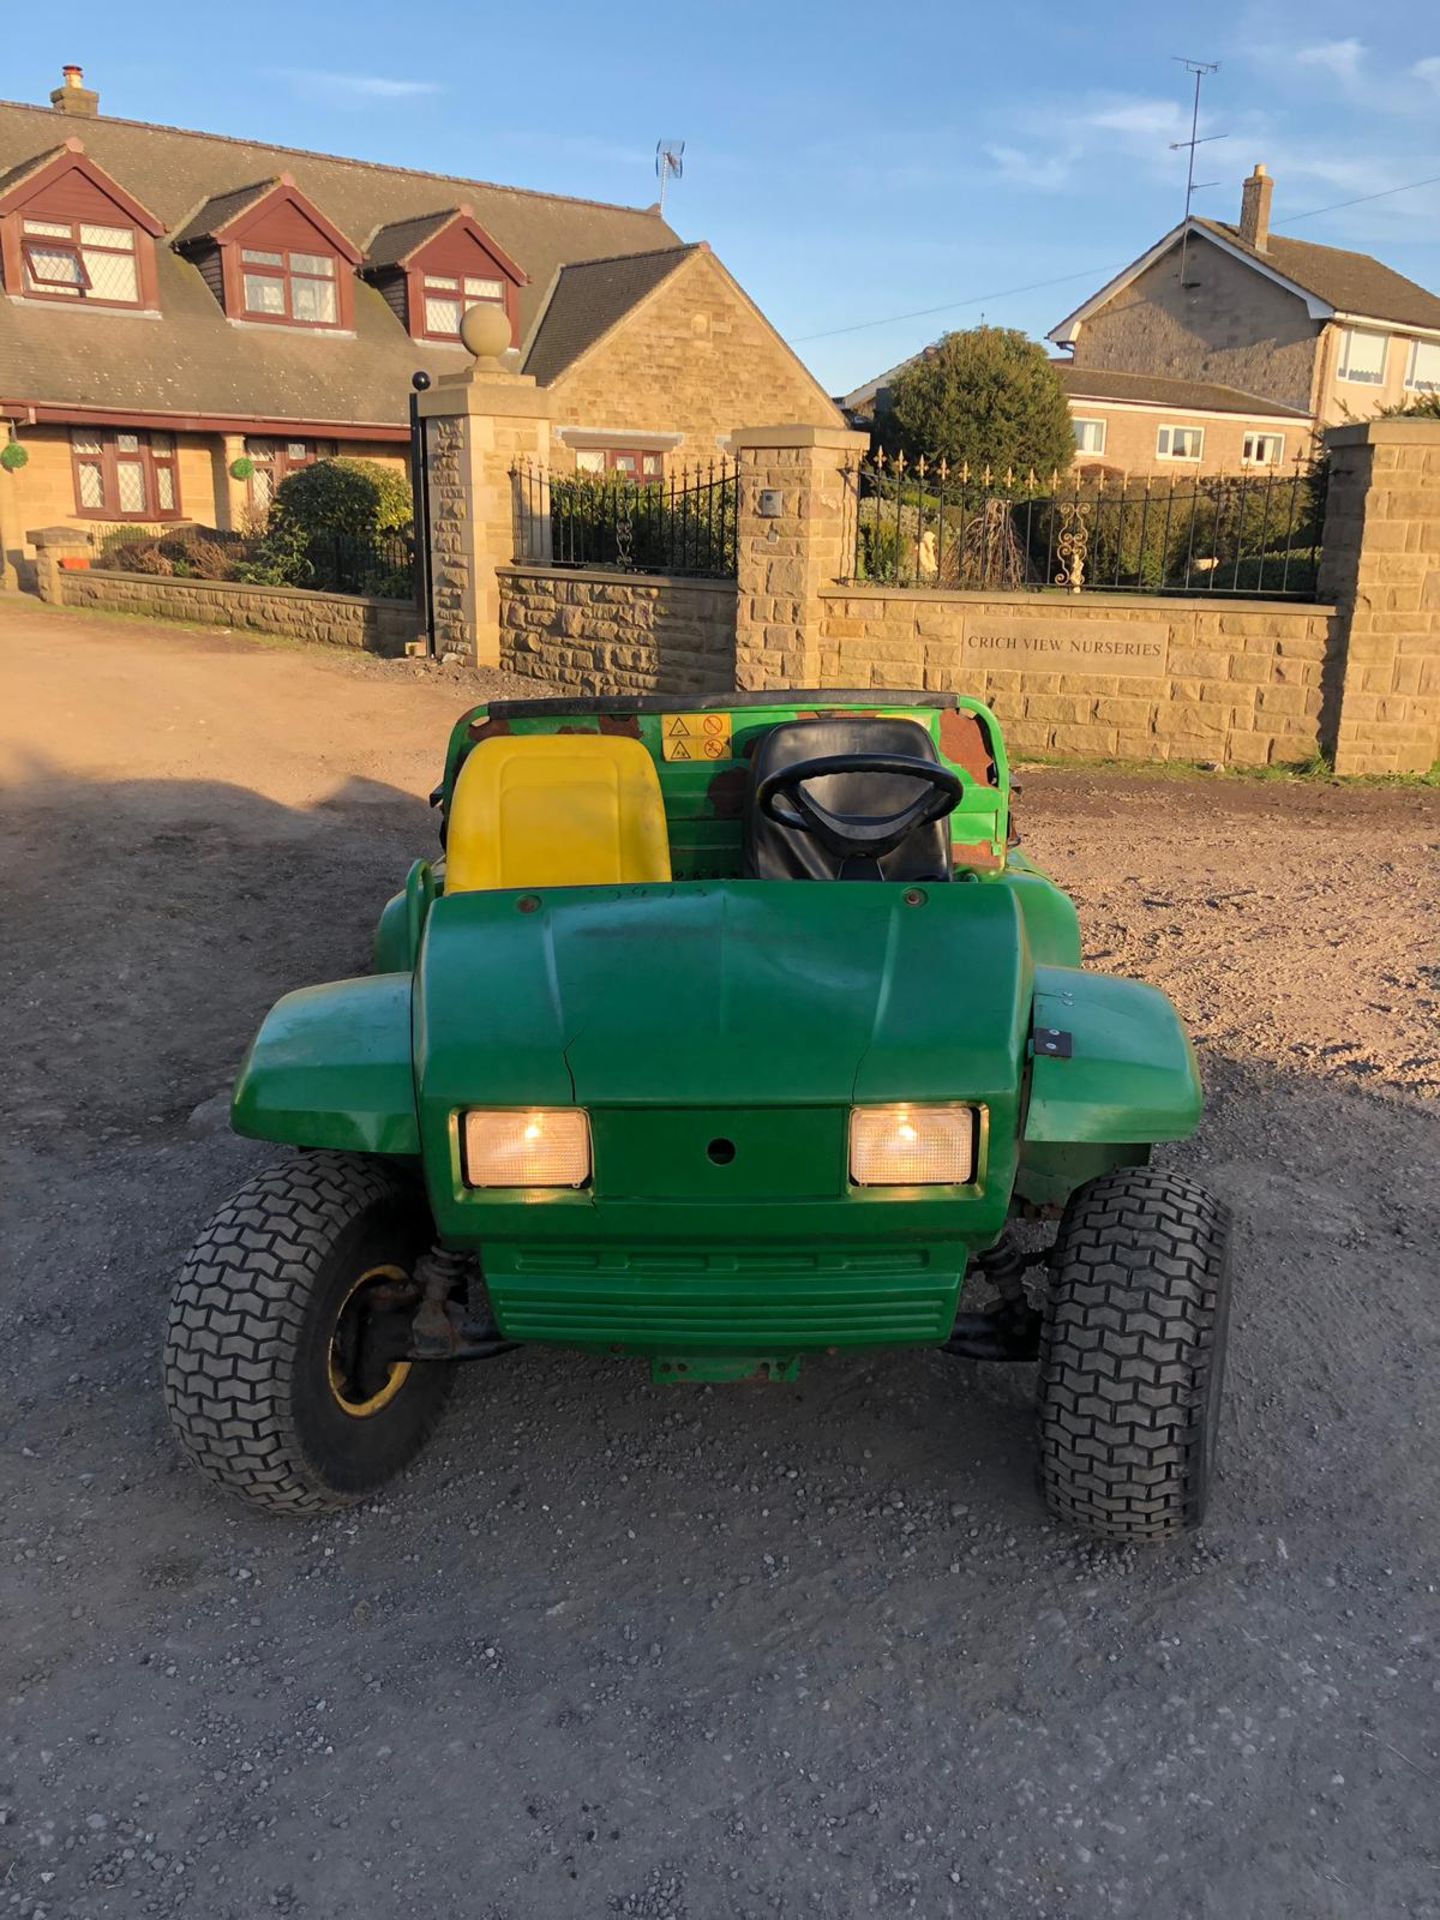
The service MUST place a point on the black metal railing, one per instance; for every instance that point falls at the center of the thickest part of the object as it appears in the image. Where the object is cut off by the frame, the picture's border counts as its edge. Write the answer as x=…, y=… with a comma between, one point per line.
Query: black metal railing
x=381, y=566
x=928, y=524
x=683, y=523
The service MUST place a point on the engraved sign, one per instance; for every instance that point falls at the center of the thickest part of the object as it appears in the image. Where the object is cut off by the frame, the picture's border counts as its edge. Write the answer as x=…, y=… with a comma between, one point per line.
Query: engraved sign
x=1066, y=646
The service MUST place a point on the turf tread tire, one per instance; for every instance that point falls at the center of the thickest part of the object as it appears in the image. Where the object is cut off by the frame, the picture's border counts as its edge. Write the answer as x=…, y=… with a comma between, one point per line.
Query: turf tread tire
x=1132, y=1355
x=241, y=1326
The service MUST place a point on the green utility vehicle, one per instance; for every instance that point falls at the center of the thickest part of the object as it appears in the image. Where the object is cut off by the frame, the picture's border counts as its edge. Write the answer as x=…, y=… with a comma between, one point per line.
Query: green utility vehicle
x=722, y=1034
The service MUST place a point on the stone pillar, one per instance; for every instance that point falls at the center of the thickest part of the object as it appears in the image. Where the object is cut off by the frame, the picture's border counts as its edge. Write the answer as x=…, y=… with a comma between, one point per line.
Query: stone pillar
x=1381, y=565
x=52, y=545
x=232, y=496
x=480, y=423
x=795, y=536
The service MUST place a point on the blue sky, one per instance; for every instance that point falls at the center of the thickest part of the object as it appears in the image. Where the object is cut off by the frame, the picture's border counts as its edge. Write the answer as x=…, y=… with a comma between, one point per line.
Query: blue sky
x=848, y=162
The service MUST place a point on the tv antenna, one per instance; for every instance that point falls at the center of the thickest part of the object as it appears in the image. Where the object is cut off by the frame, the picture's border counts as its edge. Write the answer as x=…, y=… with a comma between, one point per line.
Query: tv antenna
x=669, y=164
x=1199, y=68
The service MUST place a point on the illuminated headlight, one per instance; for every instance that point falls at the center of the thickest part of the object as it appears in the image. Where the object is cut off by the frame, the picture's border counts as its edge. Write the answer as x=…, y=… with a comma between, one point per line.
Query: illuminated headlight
x=913, y=1146
x=526, y=1146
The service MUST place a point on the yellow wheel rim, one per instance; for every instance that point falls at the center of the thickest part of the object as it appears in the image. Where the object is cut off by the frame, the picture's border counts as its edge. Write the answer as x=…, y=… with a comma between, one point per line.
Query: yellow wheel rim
x=399, y=1371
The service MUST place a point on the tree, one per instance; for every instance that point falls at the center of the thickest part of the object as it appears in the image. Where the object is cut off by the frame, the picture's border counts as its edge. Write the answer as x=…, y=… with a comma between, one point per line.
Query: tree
x=358, y=499
x=988, y=397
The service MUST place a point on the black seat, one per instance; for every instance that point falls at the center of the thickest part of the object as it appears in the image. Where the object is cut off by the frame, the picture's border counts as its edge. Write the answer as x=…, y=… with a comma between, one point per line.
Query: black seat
x=775, y=851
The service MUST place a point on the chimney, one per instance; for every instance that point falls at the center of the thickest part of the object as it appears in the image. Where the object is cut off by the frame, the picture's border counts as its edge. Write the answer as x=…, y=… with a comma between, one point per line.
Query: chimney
x=1255, y=199
x=73, y=96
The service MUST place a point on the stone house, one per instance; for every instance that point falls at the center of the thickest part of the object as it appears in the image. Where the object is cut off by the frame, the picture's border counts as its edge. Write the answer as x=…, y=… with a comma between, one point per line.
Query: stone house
x=1286, y=331
x=1226, y=348
x=176, y=304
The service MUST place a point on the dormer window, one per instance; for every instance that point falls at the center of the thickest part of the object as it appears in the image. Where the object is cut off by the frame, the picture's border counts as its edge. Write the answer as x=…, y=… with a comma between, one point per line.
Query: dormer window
x=71, y=233
x=271, y=257
x=69, y=260
x=280, y=285
x=436, y=266
x=446, y=300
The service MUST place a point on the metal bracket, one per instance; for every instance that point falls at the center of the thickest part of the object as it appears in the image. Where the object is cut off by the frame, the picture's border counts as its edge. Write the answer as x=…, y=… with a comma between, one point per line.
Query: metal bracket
x=1054, y=1042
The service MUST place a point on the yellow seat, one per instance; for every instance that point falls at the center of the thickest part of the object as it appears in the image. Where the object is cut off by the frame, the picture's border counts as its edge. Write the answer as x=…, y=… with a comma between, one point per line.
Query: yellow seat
x=556, y=810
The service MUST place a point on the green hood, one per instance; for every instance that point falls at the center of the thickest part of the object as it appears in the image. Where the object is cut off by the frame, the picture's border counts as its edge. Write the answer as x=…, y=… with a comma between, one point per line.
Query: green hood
x=722, y=993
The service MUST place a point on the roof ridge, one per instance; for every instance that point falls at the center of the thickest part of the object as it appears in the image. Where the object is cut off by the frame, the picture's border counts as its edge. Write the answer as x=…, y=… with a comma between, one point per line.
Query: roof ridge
x=650, y=253
x=347, y=160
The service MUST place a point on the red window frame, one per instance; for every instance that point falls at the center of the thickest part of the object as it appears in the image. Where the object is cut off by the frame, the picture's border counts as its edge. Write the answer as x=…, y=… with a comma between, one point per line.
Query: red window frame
x=108, y=455
x=274, y=458
x=448, y=286
x=639, y=473
x=288, y=274
x=34, y=284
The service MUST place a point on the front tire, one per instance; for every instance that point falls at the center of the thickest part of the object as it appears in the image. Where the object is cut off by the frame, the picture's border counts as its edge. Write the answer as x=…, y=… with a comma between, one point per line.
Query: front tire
x=1132, y=1355
x=274, y=1378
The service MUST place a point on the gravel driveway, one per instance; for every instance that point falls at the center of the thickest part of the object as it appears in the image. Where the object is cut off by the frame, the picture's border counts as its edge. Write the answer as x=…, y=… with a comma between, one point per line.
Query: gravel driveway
x=753, y=1651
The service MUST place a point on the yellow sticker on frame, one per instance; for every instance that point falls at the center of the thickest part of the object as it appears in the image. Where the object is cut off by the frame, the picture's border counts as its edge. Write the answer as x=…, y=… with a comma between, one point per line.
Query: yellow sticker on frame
x=696, y=736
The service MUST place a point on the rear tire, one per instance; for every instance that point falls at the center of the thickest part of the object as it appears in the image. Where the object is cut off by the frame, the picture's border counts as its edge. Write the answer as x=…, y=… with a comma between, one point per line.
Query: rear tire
x=1132, y=1355
x=265, y=1378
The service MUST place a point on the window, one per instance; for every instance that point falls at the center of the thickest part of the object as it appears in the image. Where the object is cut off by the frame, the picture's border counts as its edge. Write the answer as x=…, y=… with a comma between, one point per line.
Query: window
x=1089, y=436
x=1180, y=443
x=280, y=285
x=1423, y=373
x=124, y=476
x=274, y=460
x=631, y=465
x=72, y=260
x=447, y=297
x=1362, y=356
x=1262, y=450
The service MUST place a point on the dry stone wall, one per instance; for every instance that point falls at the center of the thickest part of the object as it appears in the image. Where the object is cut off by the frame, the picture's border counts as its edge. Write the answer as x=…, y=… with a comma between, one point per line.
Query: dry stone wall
x=334, y=619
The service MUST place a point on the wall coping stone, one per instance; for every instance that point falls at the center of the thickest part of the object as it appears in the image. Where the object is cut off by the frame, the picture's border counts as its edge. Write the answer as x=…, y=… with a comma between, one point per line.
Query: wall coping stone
x=1050, y=600
x=841, y=439
x=1388, y=433
x=610, y=577
x=234, y=588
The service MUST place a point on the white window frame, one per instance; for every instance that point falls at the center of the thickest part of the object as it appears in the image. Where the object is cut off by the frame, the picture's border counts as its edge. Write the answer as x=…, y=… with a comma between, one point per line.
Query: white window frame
x=1087, y=420
x=1413, y=382
x=1249, y=458
x=1164, y=441
x=1342, y=366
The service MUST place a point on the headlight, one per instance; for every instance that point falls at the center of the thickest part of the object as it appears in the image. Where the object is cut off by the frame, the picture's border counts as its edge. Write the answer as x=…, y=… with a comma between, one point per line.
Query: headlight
x=913, y=1146
x=526, y=1146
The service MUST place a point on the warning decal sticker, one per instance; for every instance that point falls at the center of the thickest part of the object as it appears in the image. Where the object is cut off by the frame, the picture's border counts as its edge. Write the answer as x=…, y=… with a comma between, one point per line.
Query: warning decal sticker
x=696, y=736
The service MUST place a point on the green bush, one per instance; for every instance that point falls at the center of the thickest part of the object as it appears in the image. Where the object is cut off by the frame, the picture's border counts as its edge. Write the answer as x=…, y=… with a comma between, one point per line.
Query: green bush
x=358, y=499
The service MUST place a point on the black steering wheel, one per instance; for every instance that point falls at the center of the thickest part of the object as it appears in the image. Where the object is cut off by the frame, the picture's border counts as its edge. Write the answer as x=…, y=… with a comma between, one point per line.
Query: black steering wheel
x=781, y=796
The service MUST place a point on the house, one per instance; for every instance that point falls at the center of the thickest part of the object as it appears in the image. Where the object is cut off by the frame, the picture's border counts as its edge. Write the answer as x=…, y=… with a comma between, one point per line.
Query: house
x=1314, y=334
x=185, y=318
x=1226, y=348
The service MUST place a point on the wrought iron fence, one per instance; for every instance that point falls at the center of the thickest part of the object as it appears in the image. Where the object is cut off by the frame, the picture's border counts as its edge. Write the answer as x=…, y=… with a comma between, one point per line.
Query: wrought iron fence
x=382, y=565
x=928, y=524
x=684, y=523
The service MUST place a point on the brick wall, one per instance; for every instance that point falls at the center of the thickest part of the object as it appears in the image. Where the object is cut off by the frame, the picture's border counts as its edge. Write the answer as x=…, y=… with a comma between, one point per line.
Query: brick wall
x=1130, y=437
x=1231, y=325
x=600, y=632
x=696, y=359
x=1241, y=682
x=335, y=619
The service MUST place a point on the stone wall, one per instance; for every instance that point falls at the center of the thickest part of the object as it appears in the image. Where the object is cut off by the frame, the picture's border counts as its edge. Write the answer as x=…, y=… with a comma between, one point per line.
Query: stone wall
x=594, y=632
x=336, y=619
x=1133, y=677
x=1228, y=324
x=698, y=359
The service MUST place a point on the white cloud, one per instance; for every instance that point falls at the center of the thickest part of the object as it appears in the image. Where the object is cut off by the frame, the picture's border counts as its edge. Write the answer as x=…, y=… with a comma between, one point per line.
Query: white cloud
x=1045, y=173
x=1428, y=70
x=1342, y=58
x=358, y=86
x=1150, y=119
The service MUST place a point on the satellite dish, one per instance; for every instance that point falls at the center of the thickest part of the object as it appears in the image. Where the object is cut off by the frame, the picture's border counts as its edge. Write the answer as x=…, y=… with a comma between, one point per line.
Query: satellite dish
x=669, y=165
